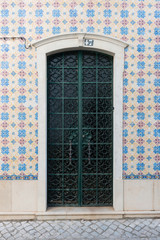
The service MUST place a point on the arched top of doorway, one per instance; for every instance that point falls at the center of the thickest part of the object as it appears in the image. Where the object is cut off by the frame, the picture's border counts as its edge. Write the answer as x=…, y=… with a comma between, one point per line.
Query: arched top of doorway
x=95, y=42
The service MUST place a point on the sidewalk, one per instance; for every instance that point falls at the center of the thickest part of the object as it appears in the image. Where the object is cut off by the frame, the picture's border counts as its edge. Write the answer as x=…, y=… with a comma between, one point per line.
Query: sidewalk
x=81, y=229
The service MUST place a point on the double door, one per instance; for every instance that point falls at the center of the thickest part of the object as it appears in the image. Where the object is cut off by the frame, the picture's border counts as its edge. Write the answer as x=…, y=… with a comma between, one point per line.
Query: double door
x=80, y=129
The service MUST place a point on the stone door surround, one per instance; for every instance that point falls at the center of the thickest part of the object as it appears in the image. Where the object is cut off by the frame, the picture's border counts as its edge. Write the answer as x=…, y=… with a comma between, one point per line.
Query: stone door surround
x=80, y=41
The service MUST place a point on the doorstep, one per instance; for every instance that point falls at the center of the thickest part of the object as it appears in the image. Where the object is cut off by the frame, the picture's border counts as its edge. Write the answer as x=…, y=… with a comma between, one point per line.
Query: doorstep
x=77, y=213
x=93, y=213
x=88, y=213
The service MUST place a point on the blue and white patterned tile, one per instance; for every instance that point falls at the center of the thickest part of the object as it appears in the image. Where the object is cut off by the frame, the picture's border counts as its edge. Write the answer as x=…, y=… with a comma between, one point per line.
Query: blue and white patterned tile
x=136, y=22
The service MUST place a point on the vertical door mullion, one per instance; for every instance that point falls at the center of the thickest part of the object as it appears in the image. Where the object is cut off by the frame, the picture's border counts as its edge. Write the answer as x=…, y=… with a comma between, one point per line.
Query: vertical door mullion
x=63, y=128
x=79, y=128
x=96, y=128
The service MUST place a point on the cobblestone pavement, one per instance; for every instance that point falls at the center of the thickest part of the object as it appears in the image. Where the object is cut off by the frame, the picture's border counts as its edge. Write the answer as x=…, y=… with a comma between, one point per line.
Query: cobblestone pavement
x=81, y=230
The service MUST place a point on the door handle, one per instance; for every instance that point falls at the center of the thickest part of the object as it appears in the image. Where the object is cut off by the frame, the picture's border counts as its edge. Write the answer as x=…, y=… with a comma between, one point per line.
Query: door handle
x=87, y=135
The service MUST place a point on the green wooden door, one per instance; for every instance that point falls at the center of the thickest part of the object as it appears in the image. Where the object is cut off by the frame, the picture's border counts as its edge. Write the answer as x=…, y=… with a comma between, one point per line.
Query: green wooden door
x=80, y=129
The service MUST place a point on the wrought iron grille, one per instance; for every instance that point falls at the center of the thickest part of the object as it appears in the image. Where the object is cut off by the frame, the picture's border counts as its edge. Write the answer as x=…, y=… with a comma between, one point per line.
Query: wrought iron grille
x=80, y=131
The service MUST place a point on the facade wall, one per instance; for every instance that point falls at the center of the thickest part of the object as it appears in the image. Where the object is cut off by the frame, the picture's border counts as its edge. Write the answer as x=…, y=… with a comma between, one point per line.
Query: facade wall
x=135, y=22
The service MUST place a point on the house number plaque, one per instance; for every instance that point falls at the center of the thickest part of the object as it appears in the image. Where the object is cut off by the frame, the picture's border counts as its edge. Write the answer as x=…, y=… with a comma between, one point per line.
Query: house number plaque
x=88, y=42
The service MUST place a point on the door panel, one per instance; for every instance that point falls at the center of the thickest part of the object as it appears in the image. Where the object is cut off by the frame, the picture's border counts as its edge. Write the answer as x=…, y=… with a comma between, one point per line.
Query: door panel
x=79, y=127
x=97, y=98
x=62, y=124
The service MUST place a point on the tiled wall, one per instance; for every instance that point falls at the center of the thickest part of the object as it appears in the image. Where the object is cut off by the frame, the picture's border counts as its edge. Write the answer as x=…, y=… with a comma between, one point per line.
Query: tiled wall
x=134, y=21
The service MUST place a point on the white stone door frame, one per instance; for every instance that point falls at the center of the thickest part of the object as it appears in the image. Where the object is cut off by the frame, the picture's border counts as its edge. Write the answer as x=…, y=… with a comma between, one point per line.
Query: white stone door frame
x=76, y=41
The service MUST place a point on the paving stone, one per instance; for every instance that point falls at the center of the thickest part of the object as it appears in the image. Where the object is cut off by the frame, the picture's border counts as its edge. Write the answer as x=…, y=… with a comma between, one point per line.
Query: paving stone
x=104, y=227
x=11, y=238
x=99, y=230
x=7, y=235
x=135, y=232
x=28, y=228
x=122, y=229
x=113, y=226
x=121, y=226
x=18, y=235
x=33, y=230
x=138, y=228
x=129, y=235
x=128, y=229
x=3, y=231
x=132, y=225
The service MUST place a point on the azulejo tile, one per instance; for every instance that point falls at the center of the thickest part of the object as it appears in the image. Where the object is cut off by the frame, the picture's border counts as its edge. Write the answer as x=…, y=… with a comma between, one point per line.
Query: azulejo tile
x=137, y=23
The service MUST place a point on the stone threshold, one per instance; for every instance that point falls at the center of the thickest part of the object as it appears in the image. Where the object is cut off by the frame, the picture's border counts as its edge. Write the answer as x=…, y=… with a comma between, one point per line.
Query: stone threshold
x=88, y=213
x=83, y=213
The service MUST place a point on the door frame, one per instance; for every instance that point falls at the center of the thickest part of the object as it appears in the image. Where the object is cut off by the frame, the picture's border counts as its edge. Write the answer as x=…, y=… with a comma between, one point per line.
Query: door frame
x=69, y=42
